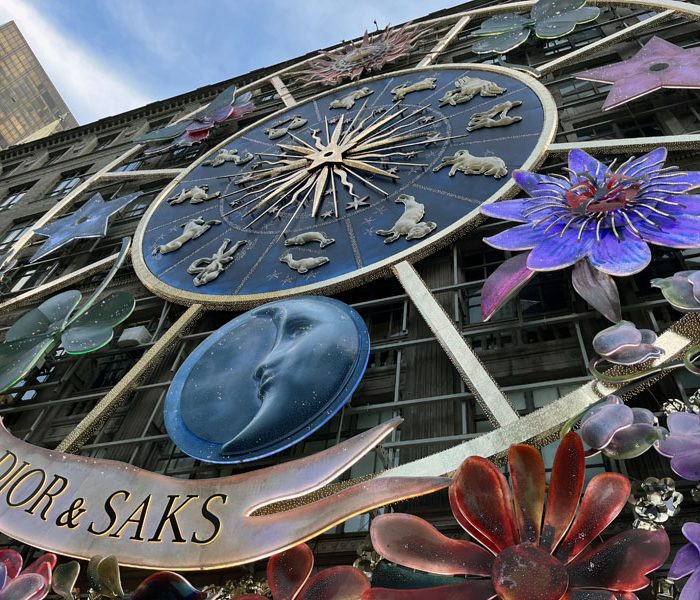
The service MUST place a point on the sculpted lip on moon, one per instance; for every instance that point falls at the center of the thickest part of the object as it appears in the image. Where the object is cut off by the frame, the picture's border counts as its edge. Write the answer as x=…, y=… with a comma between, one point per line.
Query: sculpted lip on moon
x=267, y=379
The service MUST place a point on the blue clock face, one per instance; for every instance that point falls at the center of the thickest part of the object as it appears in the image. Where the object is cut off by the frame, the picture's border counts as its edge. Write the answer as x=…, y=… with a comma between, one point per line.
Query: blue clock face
x=332, y=191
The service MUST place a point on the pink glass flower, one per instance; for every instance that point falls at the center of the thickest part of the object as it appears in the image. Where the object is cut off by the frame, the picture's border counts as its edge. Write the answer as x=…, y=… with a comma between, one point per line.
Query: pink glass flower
x=526, y=552
x=289, y=578
x=32, y=583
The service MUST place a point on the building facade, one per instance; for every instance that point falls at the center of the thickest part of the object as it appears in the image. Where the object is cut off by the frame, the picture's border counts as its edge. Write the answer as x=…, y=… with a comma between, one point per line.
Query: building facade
x=537, y=348
x=29, y=103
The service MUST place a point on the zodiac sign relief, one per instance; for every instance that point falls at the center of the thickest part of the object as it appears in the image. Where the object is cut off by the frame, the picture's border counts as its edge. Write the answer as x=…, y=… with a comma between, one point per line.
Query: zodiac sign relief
x=473, y=165
x=277, y=131
x=468, y=87
x=409, y=223
x=497, y=116
x=225, y=156
x=347, y=102
x=401, y=91
x=304, y=265
x=195, y=195
x=191, y=231
x=209, y=268
x=309, y=236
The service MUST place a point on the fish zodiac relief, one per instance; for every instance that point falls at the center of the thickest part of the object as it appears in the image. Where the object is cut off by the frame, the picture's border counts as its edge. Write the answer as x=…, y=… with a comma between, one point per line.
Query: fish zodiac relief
x=195, y=195
x=304, y=265
x=496, y=116
x=473, y=165
x=401, y=91
x=347, y=102
x=225, y=156
x=277, y=131
x=191, y=231
x=468, y=87
x=307, y=237
x=409, y=224
x=207, y=269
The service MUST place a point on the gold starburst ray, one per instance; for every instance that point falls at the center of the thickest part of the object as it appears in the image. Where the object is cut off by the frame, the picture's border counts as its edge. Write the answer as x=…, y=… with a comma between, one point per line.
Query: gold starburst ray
x=298, y=149
x=296, y=212
x=335, y=197
x=392, y=140
x=354, y=120
x=363, y=166
x=311, y=149
x=335, y=136
x=280, y=191
x=398, y=127
x=318, y=192
x=272, y=208
x=389, y=162
x=374, y=127
x=366, y=182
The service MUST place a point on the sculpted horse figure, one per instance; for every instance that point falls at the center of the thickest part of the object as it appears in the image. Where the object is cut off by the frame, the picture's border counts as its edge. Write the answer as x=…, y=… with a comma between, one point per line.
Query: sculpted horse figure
x=195, y=195
x=191, y=231
x=307, y=237
x=347, y=102
x=304, y=265
x=468, y=87
x=409, y=223
x=473, y=165
x=401, y=91
x=225, y=156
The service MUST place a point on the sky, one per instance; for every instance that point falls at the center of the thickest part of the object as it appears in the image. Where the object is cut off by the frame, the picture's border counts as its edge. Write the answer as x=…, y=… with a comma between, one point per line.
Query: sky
x=109, y=56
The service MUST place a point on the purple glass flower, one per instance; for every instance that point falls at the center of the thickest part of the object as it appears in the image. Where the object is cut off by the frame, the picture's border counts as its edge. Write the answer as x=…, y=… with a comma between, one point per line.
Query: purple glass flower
x=599, y=220
x=618, y=431
x=682, y=290
x=624, y=344
x=682, y=445
x=687, y=562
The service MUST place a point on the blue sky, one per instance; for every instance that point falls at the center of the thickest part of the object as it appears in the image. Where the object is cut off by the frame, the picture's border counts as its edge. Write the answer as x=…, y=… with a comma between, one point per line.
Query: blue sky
x=108, y=56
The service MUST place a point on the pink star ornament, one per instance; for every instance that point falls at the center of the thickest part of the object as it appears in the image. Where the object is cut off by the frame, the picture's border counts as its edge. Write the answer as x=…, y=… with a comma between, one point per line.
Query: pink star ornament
x=659, y=64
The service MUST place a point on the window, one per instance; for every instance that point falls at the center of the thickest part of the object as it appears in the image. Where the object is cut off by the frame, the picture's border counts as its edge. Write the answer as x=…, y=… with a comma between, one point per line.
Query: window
x=105, y=141
x=132, y=166
x=14, y=195
x=55, y=155
x=158, y=123
x=32, y=276
x=136, y=209
x=11, y=236
x=68, y=181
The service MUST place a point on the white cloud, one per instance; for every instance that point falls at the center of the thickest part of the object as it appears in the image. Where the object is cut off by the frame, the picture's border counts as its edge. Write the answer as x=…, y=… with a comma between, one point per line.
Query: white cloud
x=91, y=88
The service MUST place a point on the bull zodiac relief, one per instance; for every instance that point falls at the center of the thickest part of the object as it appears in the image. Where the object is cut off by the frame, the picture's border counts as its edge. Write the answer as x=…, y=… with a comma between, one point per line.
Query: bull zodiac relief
x=207, y=269
x=496, y=116
x=304, y=265
x=347, y=102
x=409, y=224
x=308, y=237
x=195, y=195
x=401, y=91
x=473, y=165
x=191, y=231
x=277, y=131
x=225, y=156
x=468, y=87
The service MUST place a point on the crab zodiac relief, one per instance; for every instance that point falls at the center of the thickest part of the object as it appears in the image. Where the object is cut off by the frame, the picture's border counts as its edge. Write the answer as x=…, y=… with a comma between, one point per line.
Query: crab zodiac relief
x=473, y=165
x=207, y=269
x=191, y=231
x=225, y=156
x=307, y=237
x=401, y=91
x=496, y=116
x=303, y=265
x=409, y=224
x=468, y=87
x=347, y=102
x=195, y=195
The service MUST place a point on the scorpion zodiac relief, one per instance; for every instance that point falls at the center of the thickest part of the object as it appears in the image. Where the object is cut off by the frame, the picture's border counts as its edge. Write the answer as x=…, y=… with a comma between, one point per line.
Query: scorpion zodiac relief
x=191, y=231
x=207, y=269
x=409, y=224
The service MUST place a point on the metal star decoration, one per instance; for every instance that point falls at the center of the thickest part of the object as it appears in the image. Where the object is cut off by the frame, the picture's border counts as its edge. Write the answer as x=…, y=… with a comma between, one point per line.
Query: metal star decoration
x=91, y=220
x=659, y=64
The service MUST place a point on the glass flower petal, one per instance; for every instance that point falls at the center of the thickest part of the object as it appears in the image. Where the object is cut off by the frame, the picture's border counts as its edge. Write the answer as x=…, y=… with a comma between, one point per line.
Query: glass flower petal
x=678, y=291
x=412, y=542
x=502, y=24
x=620, y=257
x=686, y=561
x=554, y=252
x=510, y=210
x=466, y=525
x=684, y=423
x=622, y=562
x=501, y=43
x=527, y=572
x=484, y=498
x=521, y=237
x=64, y=579
x=527, y=474
x=691, y=589
x=565, y=23
x=598, y=289
x=599, y=427
x=471, y=590
x=512, y=275
x=633, y=441
x=165, y=585
x=610, y=340
x=31, y=586
x=288, y=571
x=545, y=9
x=18, y=358
x=565, y=487
x=684, y=232
x=336, y=583
x=48, y=316
x=12, y=561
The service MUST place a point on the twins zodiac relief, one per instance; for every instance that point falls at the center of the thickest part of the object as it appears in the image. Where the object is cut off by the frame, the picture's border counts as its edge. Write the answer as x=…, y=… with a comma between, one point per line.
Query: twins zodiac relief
x=410, y=225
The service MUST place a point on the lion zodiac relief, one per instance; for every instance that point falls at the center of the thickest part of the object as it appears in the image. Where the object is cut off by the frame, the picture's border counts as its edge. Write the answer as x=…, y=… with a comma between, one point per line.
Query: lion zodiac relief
x=473, y=165
x=468, y=87
x=409, y=224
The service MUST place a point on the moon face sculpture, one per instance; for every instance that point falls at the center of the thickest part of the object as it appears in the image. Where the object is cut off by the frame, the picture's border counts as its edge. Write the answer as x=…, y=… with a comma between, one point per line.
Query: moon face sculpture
x=266, y=379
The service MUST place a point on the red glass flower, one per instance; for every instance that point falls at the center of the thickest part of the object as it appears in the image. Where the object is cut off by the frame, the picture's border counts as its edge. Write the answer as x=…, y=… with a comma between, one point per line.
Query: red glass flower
x=288, y=575
x=528, y=553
